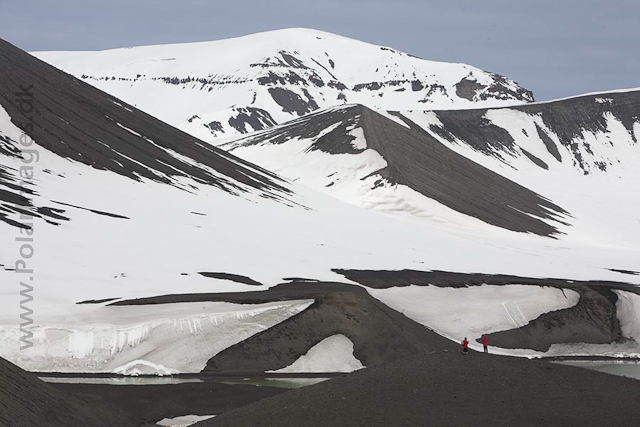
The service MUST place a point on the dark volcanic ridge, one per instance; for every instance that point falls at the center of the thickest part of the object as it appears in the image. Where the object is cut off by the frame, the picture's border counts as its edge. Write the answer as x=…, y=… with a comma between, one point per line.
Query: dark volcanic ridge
x=232, y=277
x=382, y=279
x=445, y=388
x=418, y=160
x=81, y=123
x=381, y=334
x=568, y=119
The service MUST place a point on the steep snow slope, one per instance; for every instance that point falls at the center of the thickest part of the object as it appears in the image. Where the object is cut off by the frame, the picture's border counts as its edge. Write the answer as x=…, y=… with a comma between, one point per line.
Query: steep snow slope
x=582, y=153
x=236, y=86
x=109, y=202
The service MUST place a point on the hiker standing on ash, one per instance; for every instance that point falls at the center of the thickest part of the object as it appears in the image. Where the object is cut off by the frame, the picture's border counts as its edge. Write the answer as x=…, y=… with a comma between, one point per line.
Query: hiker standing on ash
x=465, y=346
x=485, y=343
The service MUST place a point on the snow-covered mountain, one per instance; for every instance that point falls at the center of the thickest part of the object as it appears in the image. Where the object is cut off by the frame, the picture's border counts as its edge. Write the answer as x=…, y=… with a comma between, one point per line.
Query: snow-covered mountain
x=170, y=243
x=237, y=86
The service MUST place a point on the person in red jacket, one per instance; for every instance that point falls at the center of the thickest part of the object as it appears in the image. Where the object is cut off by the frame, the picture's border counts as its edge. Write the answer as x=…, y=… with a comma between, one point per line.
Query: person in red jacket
x=465, y=346
x=485, y=343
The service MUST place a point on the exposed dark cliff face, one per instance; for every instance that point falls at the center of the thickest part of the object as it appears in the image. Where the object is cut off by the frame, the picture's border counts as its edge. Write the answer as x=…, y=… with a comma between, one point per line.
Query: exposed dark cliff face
x=291, y=102
x=247, y=120
x=568, y=120
x=469, y=88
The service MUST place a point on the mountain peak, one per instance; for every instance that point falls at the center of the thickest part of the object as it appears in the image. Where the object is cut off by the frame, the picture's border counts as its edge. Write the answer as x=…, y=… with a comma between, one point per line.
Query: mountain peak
x=228, y=87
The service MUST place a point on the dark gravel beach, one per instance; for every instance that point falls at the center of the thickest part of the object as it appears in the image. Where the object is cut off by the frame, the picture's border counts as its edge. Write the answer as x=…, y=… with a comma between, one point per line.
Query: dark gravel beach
x=152, y=403
x=448, y=389
x=26, y=401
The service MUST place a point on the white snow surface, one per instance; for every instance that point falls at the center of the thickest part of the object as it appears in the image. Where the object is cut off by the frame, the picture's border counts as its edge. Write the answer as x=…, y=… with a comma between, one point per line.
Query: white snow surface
x=628, y=310
x=475, y=310
x=200, y=87
x=183, y=421
x=332, y=354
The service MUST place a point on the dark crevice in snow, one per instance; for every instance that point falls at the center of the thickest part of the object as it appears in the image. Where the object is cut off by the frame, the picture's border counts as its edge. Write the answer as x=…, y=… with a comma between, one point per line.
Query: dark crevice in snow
x=112, y=215
x=535, y=159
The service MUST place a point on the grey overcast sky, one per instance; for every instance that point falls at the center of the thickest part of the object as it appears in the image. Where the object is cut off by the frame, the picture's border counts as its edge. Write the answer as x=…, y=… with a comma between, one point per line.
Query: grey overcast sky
x=554, y=47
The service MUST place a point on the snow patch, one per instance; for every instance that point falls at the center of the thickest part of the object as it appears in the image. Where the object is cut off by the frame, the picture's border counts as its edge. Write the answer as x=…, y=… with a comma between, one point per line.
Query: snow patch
x=143, y=367
x=360, y=142
x=332, y=354
x=628, y=311
x=183, y=421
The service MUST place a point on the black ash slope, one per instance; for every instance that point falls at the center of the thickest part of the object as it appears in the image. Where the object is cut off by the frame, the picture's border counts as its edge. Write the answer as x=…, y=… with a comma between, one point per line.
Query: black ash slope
x=448, y=389
x=421, y=162
x=81, y=123
x=27, y=401
x=418, y=160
